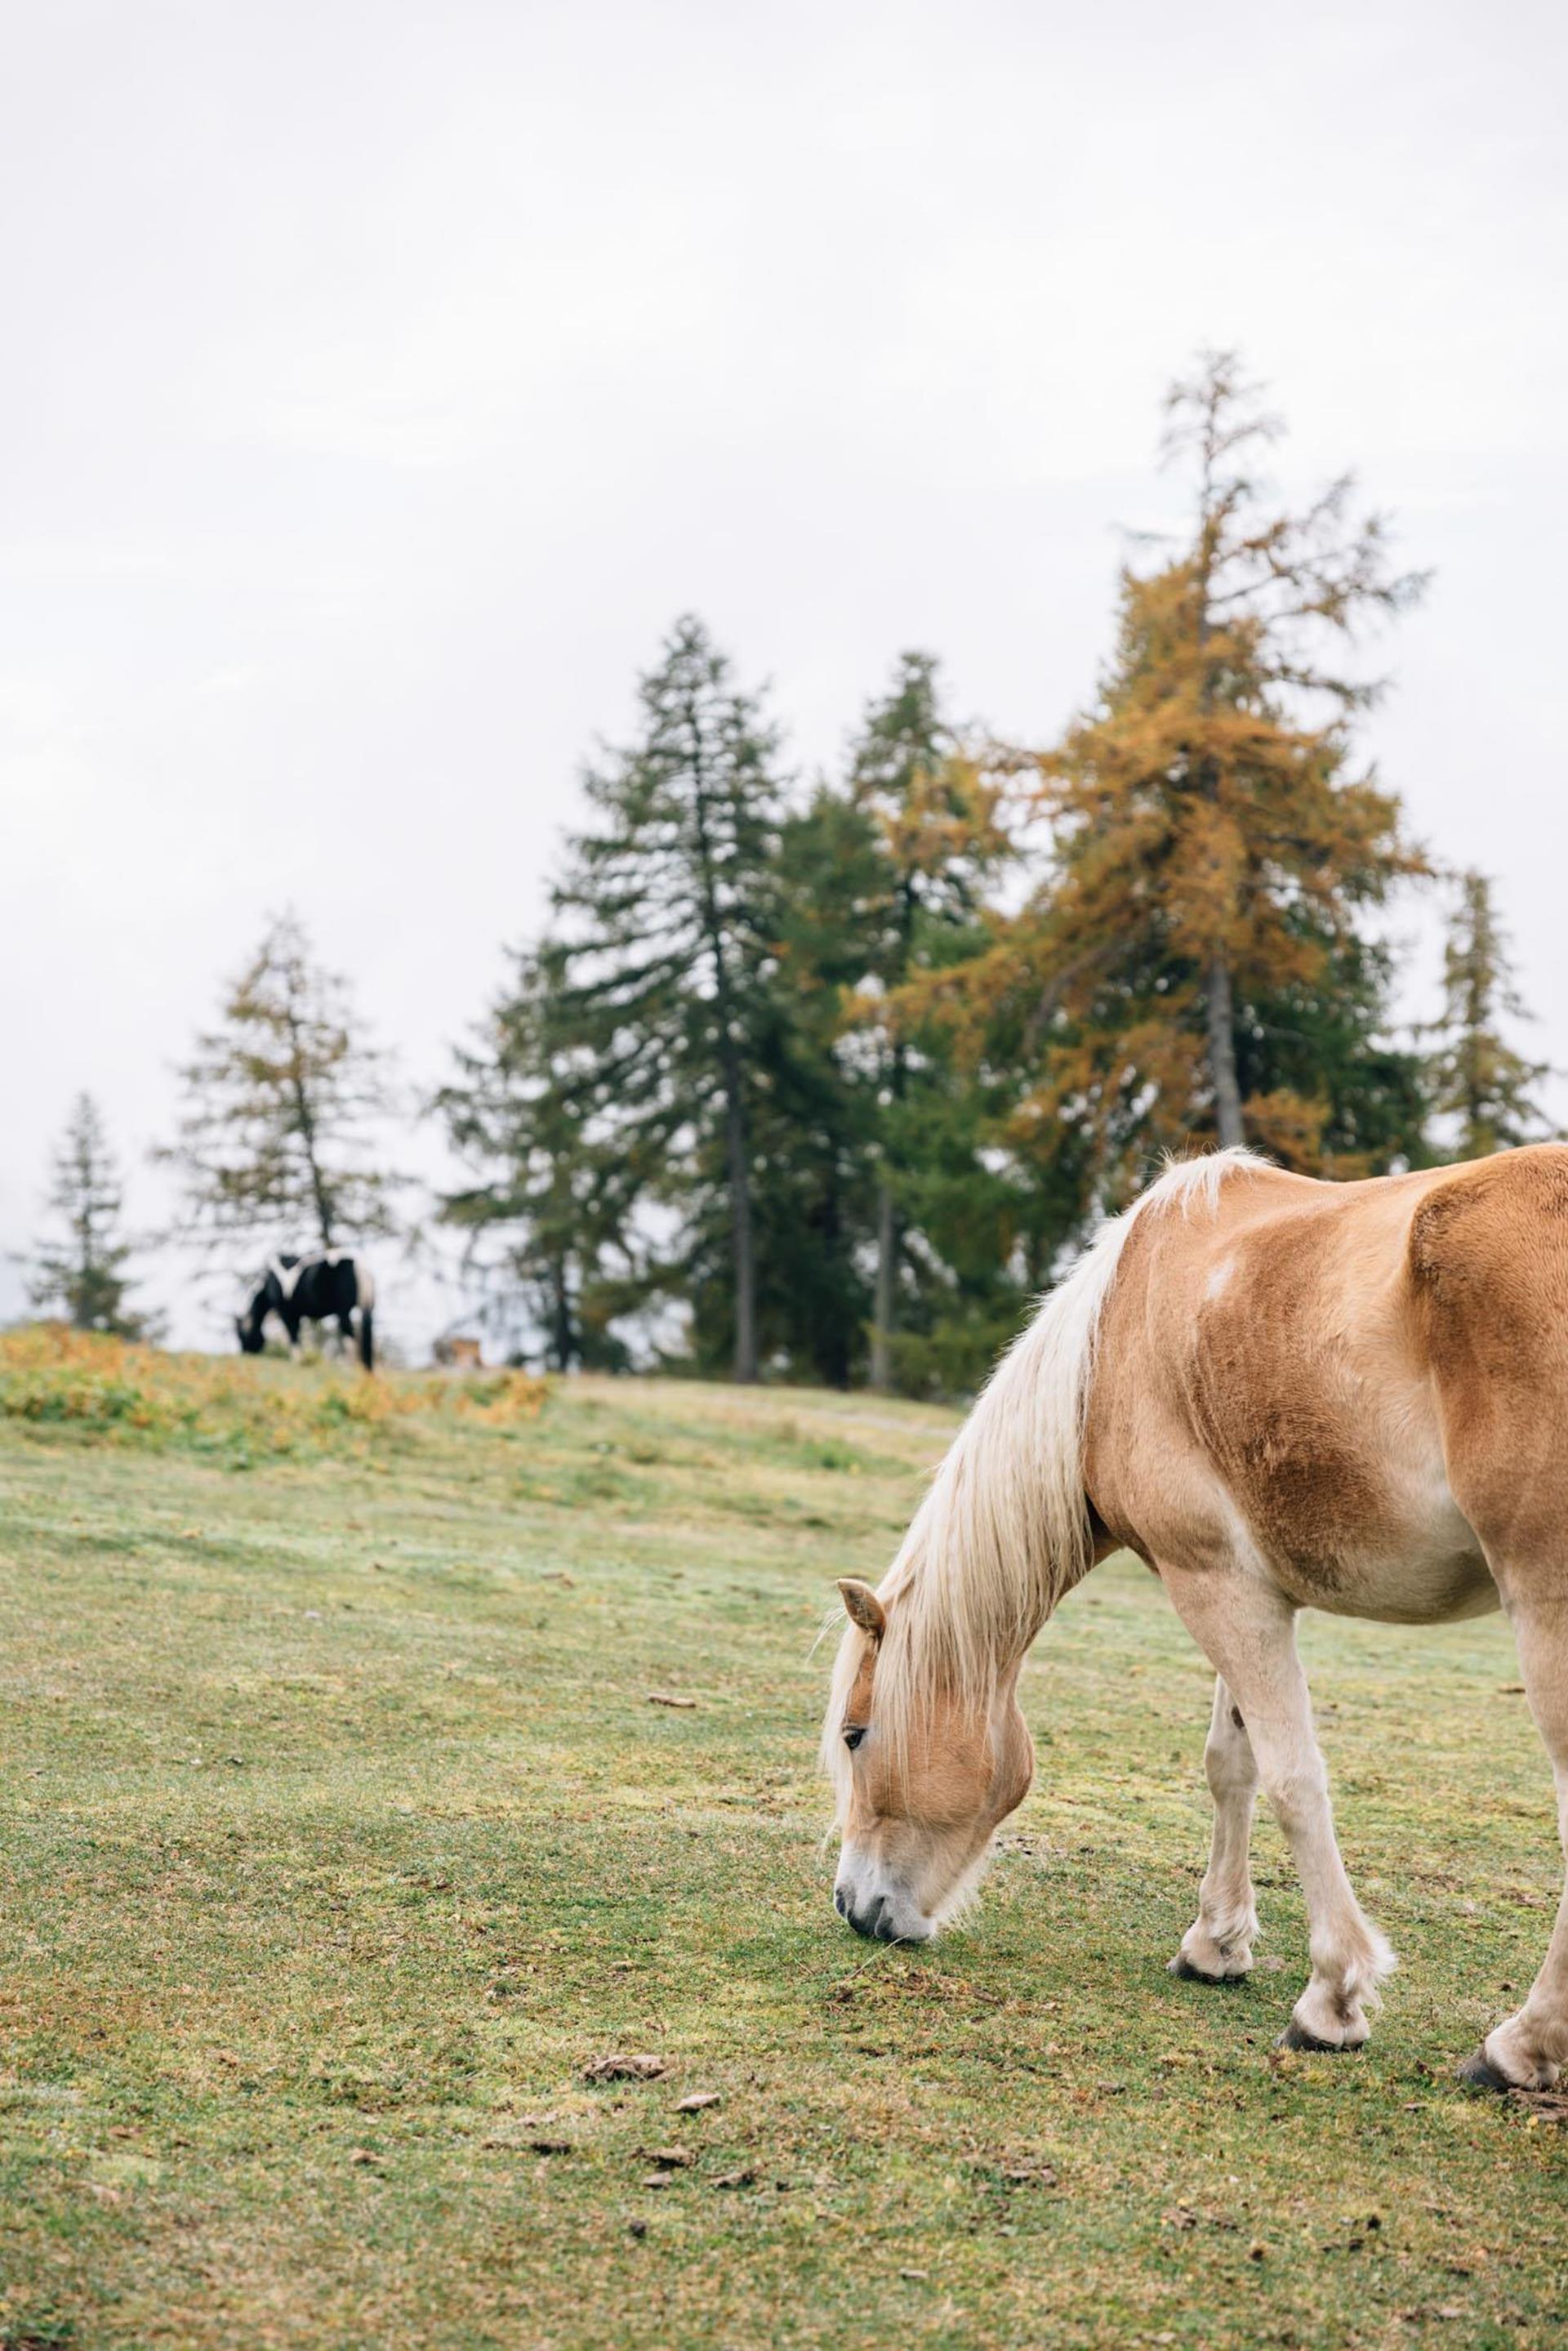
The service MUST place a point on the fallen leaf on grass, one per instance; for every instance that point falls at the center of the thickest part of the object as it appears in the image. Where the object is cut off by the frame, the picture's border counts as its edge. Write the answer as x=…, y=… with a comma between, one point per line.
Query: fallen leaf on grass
x=669, y=2158
x=914, y=2273
x=544, y=2146
x=363, y=2155
x=668, y=1698
x=736, y=2180
x=618, y=2068
x=697, y=2100
x=656, y=2179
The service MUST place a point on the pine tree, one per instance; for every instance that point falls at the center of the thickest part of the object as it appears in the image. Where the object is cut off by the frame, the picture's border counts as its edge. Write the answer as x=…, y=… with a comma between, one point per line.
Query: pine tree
x=934, y=824
x=553, y=1214
x=1476, y=1076
x=1215, y=853
x=883, y=878
x=668, y=956
x=817, y=1110
x=81, y=1268
x=276, y=1138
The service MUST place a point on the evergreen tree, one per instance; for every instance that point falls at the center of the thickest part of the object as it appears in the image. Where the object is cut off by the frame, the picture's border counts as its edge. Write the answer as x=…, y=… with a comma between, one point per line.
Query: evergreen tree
x=881, y=880
x=1215, y=854
x=80, y=1270
x=668, y=957
x=819, y=1113
x=1477, y=1078
x=276, y=1138
x=934, y=825
x=552, y=1217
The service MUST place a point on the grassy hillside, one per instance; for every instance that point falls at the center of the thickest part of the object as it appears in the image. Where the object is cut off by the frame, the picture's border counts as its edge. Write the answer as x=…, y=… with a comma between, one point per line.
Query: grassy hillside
x=340, y=1837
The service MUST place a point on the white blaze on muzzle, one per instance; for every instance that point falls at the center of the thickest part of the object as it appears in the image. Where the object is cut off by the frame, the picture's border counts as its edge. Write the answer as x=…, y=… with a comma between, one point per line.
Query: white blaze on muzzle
x=876, y=1903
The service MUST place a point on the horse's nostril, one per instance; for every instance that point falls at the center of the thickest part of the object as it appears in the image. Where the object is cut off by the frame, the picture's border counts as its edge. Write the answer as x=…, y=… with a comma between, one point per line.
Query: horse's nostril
x=840, y=1904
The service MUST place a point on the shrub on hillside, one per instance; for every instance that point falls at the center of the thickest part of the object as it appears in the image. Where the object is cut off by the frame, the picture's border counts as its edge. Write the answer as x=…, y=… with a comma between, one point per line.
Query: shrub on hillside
x=94, y=1387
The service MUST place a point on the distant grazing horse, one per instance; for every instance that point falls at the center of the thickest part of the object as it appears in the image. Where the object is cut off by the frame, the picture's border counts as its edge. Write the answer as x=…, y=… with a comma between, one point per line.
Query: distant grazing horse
x=1280, y=1395
x=312, y=1290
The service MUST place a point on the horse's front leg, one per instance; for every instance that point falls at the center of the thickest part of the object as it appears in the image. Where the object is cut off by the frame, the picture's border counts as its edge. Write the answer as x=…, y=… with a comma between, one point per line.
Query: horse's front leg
x=1219, y=1943
x=1248, y=1630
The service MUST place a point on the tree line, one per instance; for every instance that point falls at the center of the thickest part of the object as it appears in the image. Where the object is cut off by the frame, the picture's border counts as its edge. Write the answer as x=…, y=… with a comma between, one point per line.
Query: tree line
x=823, y=1082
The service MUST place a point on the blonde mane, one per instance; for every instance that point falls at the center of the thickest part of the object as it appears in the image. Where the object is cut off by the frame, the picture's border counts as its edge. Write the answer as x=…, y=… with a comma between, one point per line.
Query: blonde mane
x=1004, y=1531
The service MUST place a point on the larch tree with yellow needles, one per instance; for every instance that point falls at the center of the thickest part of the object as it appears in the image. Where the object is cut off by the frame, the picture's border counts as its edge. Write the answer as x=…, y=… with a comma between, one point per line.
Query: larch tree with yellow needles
x=1193, y=966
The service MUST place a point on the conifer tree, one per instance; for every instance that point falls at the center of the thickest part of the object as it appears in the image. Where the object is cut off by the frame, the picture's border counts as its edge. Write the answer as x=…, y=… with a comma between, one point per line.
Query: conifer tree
x=277, y=1137
x=934, y=821
x=79, y=1269
x=668, y=951
x=819, y=1113
x=1477, y=1077
x=883, y=878
x=1215, y=850
x=552, y=1213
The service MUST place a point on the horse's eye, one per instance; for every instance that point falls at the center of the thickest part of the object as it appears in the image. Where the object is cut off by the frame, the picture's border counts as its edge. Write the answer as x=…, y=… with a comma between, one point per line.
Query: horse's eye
x=853, y=1737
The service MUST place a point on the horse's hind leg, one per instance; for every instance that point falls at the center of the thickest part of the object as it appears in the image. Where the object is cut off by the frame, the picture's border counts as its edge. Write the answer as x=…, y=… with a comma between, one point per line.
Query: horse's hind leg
x=1219, y=1943
x=1489, y=1270
x=1527, y=2051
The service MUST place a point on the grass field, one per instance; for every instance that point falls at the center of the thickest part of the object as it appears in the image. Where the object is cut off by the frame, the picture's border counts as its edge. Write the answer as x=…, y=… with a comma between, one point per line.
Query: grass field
x=340, y=1837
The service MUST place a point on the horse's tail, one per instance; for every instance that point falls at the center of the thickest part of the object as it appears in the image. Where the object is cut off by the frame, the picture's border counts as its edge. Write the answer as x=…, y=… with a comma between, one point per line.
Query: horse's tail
x=365, y=1288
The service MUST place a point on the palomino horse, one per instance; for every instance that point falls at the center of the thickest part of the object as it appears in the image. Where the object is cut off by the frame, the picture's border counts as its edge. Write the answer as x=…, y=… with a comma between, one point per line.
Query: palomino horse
x=1280, y=1395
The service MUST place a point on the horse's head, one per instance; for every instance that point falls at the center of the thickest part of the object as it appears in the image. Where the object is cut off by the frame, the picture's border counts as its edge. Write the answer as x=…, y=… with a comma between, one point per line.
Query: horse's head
x=921, y=1789
x=250, y=1327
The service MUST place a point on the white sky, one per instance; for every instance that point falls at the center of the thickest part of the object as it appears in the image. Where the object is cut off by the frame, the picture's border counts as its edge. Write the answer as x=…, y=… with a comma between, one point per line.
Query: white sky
x=381, y=380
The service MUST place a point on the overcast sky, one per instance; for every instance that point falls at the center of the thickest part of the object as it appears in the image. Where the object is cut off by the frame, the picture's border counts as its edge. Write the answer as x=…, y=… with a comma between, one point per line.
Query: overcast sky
x=381, y=379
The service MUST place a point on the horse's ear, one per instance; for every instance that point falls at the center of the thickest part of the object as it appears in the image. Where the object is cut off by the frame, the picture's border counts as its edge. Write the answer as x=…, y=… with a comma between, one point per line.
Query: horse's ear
x=862, y=1607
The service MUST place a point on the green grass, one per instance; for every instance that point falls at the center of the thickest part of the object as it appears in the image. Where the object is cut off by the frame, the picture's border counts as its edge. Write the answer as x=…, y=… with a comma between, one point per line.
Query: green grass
x=339, y=1835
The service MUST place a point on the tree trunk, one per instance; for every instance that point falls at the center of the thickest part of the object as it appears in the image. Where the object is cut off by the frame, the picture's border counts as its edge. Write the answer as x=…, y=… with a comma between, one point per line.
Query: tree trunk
x=306, y=1117
x=740, y=1180
x=885, y=1306
x=1222, y=1022
x=885, y=1296
x=1219, y=1007
x=737, y=1147
x=565, y=1337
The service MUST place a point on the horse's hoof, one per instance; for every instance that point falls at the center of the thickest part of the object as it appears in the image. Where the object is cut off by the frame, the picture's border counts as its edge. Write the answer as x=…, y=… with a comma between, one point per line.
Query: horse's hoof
x=1296, y=2037
x=1182, y=1966
x=1478, y=2072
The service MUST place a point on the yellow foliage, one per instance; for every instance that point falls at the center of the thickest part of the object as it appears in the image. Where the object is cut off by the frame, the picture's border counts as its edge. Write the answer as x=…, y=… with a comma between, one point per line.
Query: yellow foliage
x=236, y=1408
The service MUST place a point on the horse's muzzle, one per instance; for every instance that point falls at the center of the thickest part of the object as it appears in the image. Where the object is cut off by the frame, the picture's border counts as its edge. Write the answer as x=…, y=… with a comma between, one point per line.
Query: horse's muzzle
x=880, y=1918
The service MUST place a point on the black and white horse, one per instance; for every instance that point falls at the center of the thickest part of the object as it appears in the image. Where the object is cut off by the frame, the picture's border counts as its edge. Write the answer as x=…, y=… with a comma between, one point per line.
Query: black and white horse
x=312, y=1290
